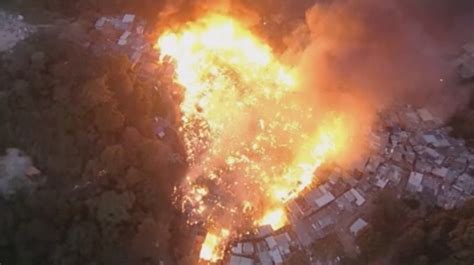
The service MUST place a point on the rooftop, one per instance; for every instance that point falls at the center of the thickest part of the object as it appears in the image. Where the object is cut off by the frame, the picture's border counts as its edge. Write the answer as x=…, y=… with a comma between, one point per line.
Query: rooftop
x=358, y=226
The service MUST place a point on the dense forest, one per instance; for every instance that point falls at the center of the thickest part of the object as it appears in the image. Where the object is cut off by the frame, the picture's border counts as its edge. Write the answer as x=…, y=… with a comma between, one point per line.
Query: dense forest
x=463, y=121
x=145, y=8
x=88, y=124
x=402, y=233
x=445, y=237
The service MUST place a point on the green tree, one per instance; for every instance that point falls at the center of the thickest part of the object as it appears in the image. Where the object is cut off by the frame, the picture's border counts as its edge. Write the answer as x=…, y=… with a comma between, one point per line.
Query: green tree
x=113, y=160
x=109, y=119
x=410, y=244
x=112, y=208
x=93, y=138
x=94, y=93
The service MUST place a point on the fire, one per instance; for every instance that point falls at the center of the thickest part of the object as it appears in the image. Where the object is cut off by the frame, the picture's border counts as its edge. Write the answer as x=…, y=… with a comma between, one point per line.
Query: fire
x=212, y=249
x=216, y=58
x=251, y=143
x=329, y=139
x=275, y=218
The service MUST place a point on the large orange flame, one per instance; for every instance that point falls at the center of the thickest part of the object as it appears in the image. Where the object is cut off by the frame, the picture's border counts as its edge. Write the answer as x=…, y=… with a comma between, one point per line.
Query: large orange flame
x=212, y=249
x=251, y=144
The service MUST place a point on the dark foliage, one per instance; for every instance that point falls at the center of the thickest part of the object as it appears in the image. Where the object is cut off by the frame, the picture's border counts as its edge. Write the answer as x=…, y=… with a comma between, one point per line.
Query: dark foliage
x=86, y=121
x=145, y=8
x=446, y=237
x=443, y=237
x=463, y=125
x=328, y=248
x=412, y=203
x=462, y=121
x=386, y=220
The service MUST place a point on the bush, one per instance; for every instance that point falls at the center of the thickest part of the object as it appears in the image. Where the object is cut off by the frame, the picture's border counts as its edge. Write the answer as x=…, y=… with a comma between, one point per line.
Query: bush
x=412, y=203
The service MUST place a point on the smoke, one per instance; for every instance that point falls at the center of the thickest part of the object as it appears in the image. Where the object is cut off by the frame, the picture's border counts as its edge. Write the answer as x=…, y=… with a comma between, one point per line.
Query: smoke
x=181, y=11
x=352, y=57
x=378, y=53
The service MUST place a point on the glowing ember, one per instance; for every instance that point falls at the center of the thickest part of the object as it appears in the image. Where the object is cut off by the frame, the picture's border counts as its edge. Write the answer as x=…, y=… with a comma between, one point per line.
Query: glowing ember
x=330, y=138
x=275, y=218
x=217, y=59
x=213, y=247
x=252, y=143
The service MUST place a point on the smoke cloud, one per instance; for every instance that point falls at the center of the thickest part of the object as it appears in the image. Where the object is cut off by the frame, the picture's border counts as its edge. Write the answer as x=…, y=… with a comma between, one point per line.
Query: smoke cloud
x=352, y=58
x=356, y=57
x=181, y=11
x=377, y=53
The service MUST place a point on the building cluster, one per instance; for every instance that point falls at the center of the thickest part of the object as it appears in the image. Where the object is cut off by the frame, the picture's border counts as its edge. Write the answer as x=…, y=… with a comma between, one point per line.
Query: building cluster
x=441, y=168
x=266, y=248
x=126, y=32
x=129, y=35
x=410, y=153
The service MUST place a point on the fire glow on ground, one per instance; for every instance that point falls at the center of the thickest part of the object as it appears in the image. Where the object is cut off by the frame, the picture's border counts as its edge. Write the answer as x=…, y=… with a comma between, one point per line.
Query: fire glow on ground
x=251, y=143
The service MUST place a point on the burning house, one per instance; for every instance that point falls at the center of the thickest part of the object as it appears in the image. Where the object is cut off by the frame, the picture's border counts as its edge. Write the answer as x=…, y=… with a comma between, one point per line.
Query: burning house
x=241, y=173
x=253, y=156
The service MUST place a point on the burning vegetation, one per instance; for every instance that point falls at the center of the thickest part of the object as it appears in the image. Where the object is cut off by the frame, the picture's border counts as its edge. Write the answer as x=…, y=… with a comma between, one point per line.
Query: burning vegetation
x=252, y=142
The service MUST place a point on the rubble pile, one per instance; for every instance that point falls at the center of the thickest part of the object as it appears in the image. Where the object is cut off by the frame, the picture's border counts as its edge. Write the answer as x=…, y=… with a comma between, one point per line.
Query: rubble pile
x=410, y=152
x=12, y=30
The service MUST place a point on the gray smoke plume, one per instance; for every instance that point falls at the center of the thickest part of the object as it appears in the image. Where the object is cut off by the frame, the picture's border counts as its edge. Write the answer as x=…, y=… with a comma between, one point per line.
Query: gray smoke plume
x=384, y=52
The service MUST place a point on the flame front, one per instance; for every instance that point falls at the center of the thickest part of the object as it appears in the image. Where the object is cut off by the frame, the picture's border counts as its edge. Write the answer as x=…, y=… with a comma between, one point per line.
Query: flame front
x=251, y=143
x=275, y=218
x=212, y=249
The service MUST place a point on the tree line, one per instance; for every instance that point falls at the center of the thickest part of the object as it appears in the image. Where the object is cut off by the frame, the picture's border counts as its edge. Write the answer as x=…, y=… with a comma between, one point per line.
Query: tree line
x=88, y=123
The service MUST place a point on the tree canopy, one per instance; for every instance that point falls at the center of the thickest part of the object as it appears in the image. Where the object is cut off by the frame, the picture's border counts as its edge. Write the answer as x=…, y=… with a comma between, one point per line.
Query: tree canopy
x=87, y=122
